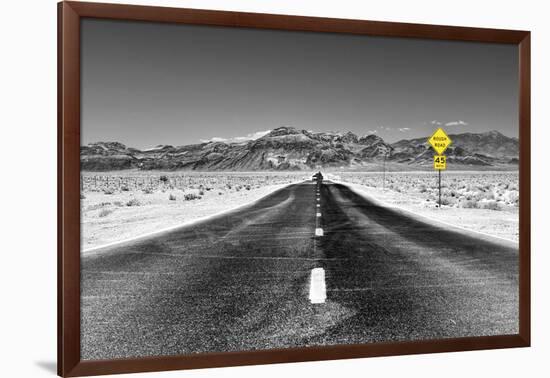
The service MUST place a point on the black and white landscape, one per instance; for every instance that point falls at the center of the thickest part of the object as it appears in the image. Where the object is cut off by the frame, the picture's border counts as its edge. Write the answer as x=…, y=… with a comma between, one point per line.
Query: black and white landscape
x=314, y=262
x=251, y=189
x=243, y=281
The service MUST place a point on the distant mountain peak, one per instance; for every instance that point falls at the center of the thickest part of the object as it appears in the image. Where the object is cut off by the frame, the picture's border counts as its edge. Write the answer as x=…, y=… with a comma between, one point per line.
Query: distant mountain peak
x=370, y=138
x=159, y=147
x=289, y=148
x=282, y=130
x=494, y=133
x=108, y=145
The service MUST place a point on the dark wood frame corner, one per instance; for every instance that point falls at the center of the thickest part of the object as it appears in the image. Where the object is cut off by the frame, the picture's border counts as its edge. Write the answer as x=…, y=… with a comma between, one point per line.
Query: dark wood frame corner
x=69, y=15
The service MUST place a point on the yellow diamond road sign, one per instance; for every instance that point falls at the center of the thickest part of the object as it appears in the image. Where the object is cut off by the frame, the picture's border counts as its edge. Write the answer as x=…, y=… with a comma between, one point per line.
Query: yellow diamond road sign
x=440, y=141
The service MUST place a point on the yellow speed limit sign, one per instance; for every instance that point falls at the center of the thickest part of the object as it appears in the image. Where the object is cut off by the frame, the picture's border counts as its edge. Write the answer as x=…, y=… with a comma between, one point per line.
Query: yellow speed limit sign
x=440, y=162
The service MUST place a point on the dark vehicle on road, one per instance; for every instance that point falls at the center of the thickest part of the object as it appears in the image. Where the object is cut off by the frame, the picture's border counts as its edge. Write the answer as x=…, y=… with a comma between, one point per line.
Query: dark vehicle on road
x=317, y=177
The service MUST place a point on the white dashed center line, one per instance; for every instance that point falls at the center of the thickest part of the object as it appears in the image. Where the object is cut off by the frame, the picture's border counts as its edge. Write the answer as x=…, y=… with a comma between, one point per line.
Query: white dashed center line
x=317, y=286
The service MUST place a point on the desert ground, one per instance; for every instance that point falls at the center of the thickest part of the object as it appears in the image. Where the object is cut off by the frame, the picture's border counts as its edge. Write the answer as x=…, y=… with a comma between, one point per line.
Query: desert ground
x=121, y=205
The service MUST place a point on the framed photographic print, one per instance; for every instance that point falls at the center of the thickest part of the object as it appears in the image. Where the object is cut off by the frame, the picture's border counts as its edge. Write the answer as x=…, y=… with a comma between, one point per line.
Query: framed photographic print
x=239, y=188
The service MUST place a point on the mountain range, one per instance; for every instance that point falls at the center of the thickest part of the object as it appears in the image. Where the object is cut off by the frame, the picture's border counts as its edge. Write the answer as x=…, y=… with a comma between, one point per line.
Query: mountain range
x=288, y=148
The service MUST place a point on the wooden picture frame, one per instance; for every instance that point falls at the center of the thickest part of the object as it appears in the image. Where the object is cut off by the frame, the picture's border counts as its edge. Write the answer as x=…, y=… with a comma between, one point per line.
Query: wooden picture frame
x=70, y=15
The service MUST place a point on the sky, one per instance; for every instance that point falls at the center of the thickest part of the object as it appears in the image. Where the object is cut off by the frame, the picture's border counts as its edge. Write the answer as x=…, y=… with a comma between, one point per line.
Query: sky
x=145, y=84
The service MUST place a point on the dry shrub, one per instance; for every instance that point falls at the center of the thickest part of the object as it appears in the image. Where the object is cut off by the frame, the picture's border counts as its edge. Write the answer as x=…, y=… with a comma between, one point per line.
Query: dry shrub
x=468, y=204
x=191, y=196
x=133, y=202
x=448, y=201
x=490, y=205
x=105, y=212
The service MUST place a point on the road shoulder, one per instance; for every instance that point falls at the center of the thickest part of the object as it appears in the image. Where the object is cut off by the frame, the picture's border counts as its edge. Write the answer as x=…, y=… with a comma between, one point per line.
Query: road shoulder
x=132, y=223
x=495, y=226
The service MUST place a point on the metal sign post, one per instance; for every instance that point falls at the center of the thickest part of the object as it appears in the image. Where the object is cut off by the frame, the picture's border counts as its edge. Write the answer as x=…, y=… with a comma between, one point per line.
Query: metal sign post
x=384, y=175
x=439, y=188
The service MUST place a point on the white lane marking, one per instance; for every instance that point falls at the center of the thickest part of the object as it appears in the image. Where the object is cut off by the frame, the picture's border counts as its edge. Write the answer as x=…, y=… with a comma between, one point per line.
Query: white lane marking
x=318, y=215
x=318, y=199
x=318, y=232
x=318, y=205
x=317, y=286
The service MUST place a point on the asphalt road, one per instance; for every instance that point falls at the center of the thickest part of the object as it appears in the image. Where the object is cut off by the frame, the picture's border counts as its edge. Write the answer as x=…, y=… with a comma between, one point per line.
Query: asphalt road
x=242, y=281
